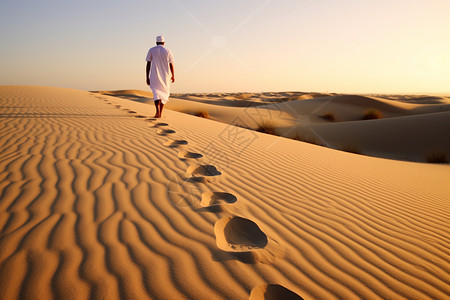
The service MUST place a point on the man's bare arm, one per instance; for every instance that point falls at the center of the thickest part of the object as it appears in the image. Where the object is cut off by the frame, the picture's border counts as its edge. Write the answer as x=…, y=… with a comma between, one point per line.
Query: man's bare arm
x=173, y=72
x=147, y=72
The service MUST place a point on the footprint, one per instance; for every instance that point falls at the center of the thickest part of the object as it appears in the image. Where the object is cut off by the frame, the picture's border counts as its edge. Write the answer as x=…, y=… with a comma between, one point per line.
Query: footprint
x=272, y=292
x=186, y=155
x=150, y=120
x=139, y=116
x=202, y=171
x=118, y=106
x=242, y=239
x=175, y=143
x=164, y=132
x=236, y=234
x=131, y=112
x=160, y=124
x=217, y=198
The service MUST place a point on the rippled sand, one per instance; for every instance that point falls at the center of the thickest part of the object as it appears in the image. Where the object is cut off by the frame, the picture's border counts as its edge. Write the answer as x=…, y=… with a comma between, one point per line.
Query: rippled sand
x=100, y=201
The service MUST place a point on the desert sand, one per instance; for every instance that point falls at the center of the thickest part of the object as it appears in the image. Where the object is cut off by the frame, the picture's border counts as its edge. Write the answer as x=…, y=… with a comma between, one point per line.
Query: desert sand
x=410, y=127
x=100, y=201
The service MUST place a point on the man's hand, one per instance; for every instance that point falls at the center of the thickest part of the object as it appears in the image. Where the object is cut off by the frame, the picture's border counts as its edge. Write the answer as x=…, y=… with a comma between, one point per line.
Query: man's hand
x=147, y=72
x=172, y=72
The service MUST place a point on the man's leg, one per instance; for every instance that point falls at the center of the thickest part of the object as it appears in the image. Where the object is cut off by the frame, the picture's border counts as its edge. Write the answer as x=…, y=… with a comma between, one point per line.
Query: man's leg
x=161, y=106
x=158, y=112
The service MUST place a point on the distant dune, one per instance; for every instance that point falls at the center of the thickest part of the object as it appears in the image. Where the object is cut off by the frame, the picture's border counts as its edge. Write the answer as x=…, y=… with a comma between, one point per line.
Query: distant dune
x=98, y=200
x=409, y=127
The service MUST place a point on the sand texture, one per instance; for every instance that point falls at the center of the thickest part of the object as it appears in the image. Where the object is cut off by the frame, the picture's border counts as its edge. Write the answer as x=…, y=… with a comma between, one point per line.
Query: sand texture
x=100, y=201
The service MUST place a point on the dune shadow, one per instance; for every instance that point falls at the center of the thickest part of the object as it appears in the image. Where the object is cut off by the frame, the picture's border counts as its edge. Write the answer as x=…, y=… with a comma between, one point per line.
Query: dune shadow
x=229, y=103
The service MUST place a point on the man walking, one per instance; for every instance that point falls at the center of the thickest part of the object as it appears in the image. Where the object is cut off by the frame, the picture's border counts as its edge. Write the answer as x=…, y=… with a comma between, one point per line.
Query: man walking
x=159, y=62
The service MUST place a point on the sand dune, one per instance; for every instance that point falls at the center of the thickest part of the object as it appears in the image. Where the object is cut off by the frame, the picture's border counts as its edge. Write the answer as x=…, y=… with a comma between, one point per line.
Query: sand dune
x=423, y=124
x=99, y=204
x=408, y=138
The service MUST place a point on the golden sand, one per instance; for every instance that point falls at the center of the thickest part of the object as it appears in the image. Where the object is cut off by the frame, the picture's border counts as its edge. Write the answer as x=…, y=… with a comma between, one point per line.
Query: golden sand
x=100, y=201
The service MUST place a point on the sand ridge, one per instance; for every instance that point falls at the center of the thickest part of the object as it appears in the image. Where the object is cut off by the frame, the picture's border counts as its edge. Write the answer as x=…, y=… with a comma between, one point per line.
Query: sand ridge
x=99, y=204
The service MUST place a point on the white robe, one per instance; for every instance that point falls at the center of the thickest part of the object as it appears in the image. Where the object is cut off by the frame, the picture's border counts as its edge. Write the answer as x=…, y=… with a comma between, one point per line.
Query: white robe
x=160, y=75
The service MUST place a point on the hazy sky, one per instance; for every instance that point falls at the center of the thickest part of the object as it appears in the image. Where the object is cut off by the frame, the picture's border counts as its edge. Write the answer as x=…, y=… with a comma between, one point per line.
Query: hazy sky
x=348, y=46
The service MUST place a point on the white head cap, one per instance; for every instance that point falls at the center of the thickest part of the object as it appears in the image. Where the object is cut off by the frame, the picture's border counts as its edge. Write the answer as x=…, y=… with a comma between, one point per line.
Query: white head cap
x=160, y=39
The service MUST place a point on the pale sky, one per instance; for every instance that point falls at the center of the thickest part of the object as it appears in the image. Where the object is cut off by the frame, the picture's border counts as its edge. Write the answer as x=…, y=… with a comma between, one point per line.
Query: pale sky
x=345, y=46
